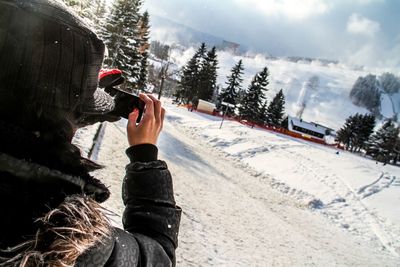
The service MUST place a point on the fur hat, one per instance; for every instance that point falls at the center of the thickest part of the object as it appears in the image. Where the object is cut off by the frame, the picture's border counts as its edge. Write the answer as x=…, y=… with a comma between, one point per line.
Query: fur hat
x=49, y=64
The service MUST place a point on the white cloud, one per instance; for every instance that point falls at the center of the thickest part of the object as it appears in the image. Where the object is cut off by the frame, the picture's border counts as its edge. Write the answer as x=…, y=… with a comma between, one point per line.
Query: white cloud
x=292, y=9
x=367, y=2
x=359, y=24
x=376, y=55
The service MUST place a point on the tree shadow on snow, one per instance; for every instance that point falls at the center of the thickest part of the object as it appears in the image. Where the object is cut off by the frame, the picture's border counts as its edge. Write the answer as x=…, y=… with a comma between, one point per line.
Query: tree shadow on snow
x=179, y=153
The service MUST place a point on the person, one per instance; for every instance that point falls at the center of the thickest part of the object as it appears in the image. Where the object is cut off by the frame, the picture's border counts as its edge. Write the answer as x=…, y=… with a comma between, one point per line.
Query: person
x=49, y=202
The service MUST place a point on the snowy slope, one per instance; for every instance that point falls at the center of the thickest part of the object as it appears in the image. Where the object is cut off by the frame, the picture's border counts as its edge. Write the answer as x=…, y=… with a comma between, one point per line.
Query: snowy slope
x=173, y=32
x=328, y=105
x=353, y=192
x=390, y=104
x=225, y=179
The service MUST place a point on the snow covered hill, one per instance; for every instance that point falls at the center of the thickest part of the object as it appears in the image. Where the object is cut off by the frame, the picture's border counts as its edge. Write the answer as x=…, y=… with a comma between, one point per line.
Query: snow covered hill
x=173, y=32
x=357, y=194
x=329, y=104
x=255, y=198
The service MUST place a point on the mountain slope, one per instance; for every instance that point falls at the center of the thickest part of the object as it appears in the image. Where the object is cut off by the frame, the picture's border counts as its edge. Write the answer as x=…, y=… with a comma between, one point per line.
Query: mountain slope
x=166, y=30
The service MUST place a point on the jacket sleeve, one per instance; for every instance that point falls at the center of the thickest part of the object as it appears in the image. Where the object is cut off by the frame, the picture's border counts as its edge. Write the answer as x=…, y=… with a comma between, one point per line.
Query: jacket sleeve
x=150, y=208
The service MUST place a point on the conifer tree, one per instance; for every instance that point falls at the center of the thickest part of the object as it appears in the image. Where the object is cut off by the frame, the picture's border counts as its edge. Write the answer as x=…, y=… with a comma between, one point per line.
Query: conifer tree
x=384, y=144
x=261, y=117
x=230, y=93
x=159, y=50
x=93, y=11
x=365, y=127
x=208, y=76
x=144, y=46
x=189, y=84
x=122, y=38
x=186, y=88
x=365, y=93
x=276, y=110
x=81, y=7
x=201, y=53
x=98, y=11
x=285, y=122
x=356, y=131
x=344, y=135
x=389, y=83
x=396, y=150
x=253, y=103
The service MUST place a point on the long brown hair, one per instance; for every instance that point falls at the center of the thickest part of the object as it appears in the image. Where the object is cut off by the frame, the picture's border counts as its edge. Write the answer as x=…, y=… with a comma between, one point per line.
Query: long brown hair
x=65, y=233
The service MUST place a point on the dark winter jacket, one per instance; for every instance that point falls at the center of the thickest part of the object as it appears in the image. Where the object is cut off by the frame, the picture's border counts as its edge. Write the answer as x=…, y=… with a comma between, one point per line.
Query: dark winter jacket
x=151, y=217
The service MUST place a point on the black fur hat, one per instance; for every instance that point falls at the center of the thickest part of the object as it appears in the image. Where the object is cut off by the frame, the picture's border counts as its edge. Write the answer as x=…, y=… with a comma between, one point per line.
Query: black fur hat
x=49, y=64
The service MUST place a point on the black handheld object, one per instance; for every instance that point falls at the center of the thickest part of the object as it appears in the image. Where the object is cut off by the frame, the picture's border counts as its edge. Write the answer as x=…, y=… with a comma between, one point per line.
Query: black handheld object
x=125, y=103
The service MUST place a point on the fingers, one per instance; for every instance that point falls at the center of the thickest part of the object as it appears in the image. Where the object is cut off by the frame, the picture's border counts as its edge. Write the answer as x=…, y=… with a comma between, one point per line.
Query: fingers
x=162, y=117
x=148, y=130
x=133, y=116
x=157, y=108
x=149, y=112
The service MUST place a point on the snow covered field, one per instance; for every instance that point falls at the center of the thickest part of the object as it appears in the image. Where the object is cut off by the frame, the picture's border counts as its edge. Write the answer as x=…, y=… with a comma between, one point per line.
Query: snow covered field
x=255, y=198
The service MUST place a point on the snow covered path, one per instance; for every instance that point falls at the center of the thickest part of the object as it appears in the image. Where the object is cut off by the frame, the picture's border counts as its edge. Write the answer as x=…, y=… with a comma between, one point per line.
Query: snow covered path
x=231, y=217
x=343, y=187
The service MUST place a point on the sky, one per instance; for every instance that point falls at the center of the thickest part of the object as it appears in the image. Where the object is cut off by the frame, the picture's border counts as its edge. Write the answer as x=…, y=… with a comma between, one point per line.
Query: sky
x=360, y=32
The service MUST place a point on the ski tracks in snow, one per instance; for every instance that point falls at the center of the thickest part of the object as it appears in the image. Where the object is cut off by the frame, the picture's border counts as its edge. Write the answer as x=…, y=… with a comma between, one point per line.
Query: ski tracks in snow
x=234, y=218
x=347, y=207
x=231, y=215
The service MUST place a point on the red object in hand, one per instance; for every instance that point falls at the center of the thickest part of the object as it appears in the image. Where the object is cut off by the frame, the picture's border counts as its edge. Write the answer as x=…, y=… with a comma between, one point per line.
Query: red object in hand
x=110, y=77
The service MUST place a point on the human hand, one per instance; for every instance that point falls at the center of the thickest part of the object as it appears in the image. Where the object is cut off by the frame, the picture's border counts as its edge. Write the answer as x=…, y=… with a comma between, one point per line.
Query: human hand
x=149, y=128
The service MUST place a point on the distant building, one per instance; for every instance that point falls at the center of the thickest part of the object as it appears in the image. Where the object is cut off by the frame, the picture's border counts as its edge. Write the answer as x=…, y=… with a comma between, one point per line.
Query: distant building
x=205, y=106
x=234, y=47
x=309, y=129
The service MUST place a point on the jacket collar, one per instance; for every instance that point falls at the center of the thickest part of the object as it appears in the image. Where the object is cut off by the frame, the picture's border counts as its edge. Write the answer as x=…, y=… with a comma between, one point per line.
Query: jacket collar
x=33, y=172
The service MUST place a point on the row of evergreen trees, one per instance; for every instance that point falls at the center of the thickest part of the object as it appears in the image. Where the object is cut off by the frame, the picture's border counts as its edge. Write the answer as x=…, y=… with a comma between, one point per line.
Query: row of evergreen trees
x=199, y=77
x=358, y=134
x=366, y=91
x=199, y=81
x=125, y=31
x=384, y=145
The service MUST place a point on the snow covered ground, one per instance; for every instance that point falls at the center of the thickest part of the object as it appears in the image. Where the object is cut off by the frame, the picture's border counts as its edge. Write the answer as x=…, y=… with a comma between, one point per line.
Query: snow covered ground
x=255, y=198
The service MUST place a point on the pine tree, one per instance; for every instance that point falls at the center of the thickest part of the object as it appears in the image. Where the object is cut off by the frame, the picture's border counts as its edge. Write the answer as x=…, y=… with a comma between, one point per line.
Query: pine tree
x=208, y=76
x=345, y=133
x=389, y=83
x=253, y=104
x=144, y=32
x=356, y=131
x=276, y=110
x=185, y=91
x=384, y=144
x=365, y=93
x=261, y=117
x=230, y=93
x=188, y=89
x=285, y=122
x=98, y=15
x=396, y=150
x=93, y=11
x=159, y=50
x=122, y=38
x=365, y=125
x=81, y=7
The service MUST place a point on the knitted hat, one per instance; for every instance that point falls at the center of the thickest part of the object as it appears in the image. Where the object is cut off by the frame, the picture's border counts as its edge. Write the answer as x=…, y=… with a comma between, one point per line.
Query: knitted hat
x=49, y=61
